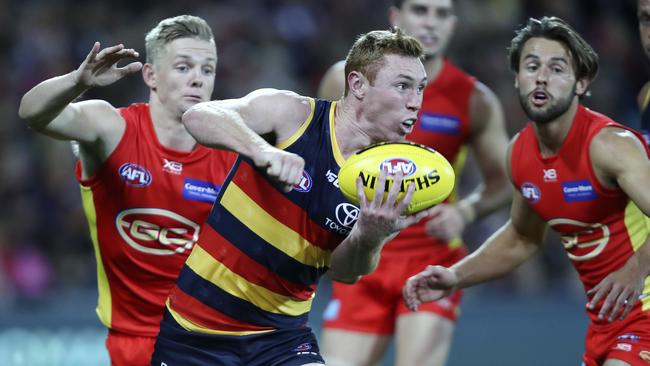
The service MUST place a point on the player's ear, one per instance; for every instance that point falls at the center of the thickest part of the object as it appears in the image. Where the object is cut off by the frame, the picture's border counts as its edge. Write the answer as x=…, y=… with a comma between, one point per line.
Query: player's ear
x=581, y=86
x=149, y=76
x=516, y=81
x=357, y=84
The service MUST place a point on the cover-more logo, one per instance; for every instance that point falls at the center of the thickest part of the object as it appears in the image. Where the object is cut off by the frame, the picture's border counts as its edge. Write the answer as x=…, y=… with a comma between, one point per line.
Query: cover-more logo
x=157, y=231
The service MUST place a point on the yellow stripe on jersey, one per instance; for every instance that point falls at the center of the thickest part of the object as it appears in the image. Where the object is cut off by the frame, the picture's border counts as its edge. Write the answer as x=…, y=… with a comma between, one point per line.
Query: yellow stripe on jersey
x=335, y=144
x=637, y=224
x=220, y=275
x=286, y=143
x=104, y=311
x=238, y=203
x=192, y=327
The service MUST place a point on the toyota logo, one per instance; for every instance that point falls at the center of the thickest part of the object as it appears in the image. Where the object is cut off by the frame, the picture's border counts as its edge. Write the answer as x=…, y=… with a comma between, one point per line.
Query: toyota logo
x=347, y=214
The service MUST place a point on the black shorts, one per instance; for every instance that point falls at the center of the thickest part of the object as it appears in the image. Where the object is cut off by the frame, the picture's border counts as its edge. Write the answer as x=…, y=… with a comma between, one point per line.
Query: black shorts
x=176, y=346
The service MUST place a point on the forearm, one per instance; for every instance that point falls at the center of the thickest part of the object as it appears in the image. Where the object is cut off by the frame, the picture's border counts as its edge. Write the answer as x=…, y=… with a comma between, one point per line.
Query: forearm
x=484, y=201
x=355, y=257
x=222, y=128
x=499, y=255
x=45, y=101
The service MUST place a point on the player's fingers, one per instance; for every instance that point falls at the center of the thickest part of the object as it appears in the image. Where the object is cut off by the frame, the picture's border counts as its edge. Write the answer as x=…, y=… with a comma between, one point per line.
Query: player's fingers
x=608, y=304
x=406, y=200
x=596, y=294
x=380, y=188
x=130, y=68
x=109, y=50
x=619, y=304
x=361, y=194
x=395, y=186
x=629, y=304
x=93, y=52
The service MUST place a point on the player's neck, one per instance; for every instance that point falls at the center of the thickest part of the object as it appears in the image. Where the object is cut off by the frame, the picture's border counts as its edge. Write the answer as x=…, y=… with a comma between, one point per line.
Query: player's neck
x=551, y=135
x=350, y=136
x=433, y=66
x=169, y=128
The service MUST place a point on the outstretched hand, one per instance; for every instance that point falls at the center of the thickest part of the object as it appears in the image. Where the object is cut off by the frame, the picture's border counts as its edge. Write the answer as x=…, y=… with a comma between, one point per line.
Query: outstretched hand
x=100, y=67
x=379, y=217
x=432, y=284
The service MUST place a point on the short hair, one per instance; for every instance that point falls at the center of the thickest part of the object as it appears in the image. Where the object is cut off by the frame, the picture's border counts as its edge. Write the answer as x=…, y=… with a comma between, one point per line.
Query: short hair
x=170, y=29
x=368, y=51
x=584, y=58
x=399, y=3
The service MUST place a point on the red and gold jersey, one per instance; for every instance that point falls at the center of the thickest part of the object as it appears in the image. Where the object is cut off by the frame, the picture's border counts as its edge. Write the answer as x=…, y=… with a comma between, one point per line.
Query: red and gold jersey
x=262, y=250
x=444, y=125
x=600, y=227
x=145, y=207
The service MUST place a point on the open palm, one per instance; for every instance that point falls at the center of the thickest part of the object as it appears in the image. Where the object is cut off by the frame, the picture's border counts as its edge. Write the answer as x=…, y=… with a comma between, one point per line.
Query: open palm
x=100, y=67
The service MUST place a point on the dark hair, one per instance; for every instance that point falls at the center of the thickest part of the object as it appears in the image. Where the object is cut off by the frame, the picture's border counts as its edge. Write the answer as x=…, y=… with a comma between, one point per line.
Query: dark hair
x=368, y=51
x=170, y=29
x=584, y=58
x=399, y=3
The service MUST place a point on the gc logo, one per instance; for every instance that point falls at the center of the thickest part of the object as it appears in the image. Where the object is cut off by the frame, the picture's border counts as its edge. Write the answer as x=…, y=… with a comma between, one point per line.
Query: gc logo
x=347, y=214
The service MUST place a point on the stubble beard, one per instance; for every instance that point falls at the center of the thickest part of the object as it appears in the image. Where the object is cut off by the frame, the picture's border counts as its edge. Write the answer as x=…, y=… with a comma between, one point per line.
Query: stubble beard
x=554, y=110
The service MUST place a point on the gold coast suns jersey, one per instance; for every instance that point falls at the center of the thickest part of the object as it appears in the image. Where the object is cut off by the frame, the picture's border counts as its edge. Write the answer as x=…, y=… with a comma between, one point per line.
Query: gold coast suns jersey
x=600, y=228
x=262, y=251
x=444, y=125
x=145, y=207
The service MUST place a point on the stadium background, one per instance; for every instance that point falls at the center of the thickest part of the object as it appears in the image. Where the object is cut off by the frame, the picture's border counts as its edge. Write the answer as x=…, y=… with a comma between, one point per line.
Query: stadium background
x=47, y=273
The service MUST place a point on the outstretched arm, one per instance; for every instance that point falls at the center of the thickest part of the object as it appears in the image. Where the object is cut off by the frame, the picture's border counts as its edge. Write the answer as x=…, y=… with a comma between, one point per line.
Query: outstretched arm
x=620, y=289
x=48, y=107
x=489, y=142
x=236, y=125
x=502, y=252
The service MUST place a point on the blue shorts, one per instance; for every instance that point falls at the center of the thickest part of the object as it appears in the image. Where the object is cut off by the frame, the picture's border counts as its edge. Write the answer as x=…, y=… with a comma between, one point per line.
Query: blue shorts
x=176, y=346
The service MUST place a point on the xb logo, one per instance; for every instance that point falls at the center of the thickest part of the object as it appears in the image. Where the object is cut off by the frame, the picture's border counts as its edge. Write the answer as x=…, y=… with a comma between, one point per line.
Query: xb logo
x=347, y=214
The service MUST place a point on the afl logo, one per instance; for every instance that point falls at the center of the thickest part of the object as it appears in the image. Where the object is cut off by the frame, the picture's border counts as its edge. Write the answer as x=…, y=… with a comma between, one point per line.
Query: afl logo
x=394, y=165
x=305, y=183
x=531, y=192
x=157, y=231
x=135, y=175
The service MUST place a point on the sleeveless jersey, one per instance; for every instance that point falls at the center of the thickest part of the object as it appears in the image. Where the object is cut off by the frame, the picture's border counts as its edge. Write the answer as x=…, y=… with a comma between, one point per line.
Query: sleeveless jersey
x=262, y=250
x=444, y=125
x=600, y=228
x=145, y=207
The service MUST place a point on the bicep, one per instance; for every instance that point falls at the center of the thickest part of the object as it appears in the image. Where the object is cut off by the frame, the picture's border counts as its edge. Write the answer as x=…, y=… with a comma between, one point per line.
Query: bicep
x=83, y=121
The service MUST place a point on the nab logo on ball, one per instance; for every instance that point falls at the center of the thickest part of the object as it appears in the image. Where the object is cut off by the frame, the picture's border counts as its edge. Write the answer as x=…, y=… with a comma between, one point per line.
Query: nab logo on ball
x=395, y=165
x=135, y=175
x=157, y=231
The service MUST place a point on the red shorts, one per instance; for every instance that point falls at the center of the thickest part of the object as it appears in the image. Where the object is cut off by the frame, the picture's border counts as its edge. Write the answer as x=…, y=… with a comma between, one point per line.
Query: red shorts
x=626, y=340
x=128, y=350
x=373, y=304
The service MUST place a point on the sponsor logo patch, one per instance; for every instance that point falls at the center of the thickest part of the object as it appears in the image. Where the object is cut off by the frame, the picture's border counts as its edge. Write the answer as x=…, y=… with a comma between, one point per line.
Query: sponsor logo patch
x=346, y=215
x=135, y=175
x=332, y=178
x=623, y=347
x=173, y=167
x=156, y=231
x=442, y=123
x=198, y=190
x=305, y=183
x=578, y=191
x=550, y=175
x=531, y=192
x=629, y=336
x=303, y=347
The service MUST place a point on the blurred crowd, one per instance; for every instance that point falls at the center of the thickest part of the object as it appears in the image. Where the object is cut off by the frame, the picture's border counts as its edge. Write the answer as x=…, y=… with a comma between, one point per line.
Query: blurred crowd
x=286, y=44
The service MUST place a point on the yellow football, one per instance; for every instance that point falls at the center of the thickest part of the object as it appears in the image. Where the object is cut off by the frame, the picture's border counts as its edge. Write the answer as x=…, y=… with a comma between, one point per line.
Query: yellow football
x=427, y=169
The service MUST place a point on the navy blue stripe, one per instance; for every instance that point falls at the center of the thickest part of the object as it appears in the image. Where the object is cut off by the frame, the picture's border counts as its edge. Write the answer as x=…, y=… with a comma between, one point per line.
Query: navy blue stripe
x=277, y=261
x=234, y=307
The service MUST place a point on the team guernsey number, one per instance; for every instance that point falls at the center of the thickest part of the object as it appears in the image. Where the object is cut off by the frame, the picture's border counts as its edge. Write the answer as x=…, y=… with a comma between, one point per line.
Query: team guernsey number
x=171, y=233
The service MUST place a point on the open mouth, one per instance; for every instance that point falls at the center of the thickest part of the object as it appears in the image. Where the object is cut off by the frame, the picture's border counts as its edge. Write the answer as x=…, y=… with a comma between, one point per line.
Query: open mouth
x=539, y=98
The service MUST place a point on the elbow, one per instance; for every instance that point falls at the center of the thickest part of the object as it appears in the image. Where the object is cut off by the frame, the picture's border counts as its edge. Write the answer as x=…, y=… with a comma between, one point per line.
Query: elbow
x=192, y=120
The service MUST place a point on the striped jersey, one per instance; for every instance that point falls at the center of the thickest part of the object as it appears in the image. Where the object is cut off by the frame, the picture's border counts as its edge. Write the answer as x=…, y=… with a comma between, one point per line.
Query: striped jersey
x=262, y=250
x=600, y=227
x=144, y=207
x=444, y=125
